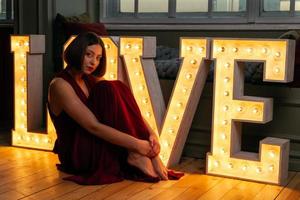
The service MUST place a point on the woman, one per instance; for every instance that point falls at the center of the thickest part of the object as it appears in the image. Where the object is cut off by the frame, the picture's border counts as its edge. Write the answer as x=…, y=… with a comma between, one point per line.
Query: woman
x=102, y=137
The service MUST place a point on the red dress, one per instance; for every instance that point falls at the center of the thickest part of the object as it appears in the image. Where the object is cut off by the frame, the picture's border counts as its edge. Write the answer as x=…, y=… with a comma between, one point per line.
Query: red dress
x=90, y=159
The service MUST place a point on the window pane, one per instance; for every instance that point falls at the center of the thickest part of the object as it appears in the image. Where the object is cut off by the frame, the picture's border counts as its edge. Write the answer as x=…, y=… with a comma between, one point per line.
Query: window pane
x=127, y=6
x=297, y=5
x=276, y=5
x=191, y=5
x=229, y=5
x=157, y=6
x=2, y=9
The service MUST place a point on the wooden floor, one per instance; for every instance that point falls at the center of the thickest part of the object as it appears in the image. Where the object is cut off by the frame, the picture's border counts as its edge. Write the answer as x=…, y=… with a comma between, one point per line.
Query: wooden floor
x=31, y=174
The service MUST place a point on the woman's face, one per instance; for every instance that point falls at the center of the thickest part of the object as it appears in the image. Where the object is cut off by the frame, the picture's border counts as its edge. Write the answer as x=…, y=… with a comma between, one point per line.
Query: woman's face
x=91, y=59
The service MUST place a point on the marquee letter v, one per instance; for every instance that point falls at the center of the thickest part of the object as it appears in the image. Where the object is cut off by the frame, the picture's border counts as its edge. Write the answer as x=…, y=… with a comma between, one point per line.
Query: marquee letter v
x=138, y=54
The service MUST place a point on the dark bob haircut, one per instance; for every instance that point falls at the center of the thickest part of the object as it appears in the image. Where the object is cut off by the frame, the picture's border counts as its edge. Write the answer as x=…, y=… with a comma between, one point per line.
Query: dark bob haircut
x=74, y=54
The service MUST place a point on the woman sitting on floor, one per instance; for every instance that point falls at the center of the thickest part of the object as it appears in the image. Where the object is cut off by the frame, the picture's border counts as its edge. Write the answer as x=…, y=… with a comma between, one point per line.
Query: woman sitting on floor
x=101, y=135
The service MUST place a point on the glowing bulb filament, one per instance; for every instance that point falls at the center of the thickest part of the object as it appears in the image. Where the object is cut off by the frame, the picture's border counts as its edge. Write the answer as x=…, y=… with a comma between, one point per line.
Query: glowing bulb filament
x=188, y=76
x=175, y=117
x=128, y=46
x=189, y=48
x=225, y=108
x=258, y=170
x=193, y=61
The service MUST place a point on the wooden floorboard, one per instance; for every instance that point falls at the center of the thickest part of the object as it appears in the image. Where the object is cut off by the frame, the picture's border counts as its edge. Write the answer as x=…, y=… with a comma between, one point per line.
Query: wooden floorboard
x=32, y=175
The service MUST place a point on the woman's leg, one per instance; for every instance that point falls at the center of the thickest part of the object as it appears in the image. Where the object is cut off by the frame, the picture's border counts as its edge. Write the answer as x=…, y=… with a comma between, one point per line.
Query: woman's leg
x=114, y=105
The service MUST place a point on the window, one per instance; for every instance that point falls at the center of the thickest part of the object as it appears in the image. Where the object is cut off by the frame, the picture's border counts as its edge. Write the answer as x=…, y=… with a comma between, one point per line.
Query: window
x=248, y=14
x=6, y=10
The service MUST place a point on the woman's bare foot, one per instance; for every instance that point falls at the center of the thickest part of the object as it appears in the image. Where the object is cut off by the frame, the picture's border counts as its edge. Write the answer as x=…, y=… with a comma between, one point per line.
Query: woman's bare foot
x=142, y=162
x=159, y=167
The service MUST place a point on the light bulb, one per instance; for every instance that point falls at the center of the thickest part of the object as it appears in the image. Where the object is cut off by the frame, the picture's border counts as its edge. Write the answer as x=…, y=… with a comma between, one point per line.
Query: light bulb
x=271, y=168
x=48, y=140
x=188, y=76
x=226, y=93
x=18, y=137
x=272, y=154
x=20, y=43
x=193, y=61
x=189, y=48
x=134, y=60
x=216, y=164
x=255, y=111
x=112, y=61
x=184, y=90
x=223, y=136
x=141, y=87
x=240, y=109
x=165, y=143
x=225, y=108
x=148, y=114
x=222, y=150
x=277, y=54
x=128, y=46
x=137, y=47
x=258, y=170
x=112, y=75
x=235, y=49
x=145, y=100
x=244, y=168
x=137, y=73
x=226, y=79
x=276, y=70
x=264, y=50
x=171, y=131
x=27, y=138
x=224, y=122
x=179, y=104
x=175, y=117
x=201, y=49
x=221, y=49
x=249, y=50
x=107, y=46
x=230, y=165
x=227, y=65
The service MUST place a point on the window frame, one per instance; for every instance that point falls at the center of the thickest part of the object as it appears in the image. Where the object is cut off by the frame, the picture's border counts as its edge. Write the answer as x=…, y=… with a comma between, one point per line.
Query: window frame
x=253, y=19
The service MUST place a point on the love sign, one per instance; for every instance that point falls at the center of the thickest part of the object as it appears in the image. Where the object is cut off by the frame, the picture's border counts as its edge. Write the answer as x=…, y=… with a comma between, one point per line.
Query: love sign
x=130, y=59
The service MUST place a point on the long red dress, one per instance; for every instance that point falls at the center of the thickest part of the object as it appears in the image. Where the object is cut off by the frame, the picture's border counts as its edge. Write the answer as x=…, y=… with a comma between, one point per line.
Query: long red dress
x=90, y=159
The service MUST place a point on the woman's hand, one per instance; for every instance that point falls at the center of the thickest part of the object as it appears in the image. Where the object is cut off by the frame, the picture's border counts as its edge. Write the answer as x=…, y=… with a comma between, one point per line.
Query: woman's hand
x=154, y=142
x=144, y=148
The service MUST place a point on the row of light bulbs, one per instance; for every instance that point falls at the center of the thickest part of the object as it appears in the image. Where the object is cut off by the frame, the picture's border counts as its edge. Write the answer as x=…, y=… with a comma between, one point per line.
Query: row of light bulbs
x=36, y=139
x=244, y=167
x=263, y=50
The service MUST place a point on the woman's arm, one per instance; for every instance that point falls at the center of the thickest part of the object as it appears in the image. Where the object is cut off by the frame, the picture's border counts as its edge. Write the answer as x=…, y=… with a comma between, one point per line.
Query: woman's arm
x=63, y=97
x=153, y=138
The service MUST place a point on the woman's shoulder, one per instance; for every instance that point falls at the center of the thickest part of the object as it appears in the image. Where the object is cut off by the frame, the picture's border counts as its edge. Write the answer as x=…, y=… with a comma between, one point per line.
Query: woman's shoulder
x=59, y=84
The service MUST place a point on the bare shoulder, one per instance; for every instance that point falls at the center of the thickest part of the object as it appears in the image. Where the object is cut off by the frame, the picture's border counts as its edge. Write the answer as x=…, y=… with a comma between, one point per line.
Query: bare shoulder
x=58, y=85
